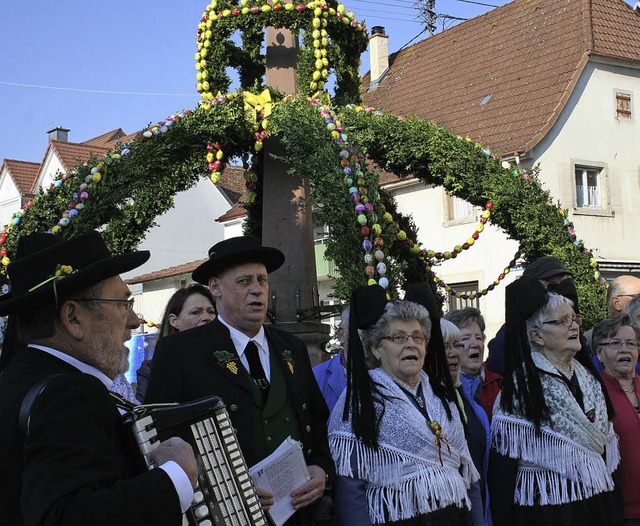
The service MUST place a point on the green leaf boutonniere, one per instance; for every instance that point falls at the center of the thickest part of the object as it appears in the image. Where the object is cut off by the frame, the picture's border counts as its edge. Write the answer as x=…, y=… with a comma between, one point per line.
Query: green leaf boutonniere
x=288, y=356
x=227, y=359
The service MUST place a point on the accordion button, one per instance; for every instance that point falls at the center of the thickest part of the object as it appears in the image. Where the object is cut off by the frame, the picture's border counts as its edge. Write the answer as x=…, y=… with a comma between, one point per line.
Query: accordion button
x=304, y=406
x=309, y=451
x=201, y=511
x=308, y=429
x=286, y=419
x=268, y=439
x=233, y=407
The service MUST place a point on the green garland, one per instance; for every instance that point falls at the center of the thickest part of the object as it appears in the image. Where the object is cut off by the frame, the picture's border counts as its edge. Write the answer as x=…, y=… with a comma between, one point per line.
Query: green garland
x=332, y=41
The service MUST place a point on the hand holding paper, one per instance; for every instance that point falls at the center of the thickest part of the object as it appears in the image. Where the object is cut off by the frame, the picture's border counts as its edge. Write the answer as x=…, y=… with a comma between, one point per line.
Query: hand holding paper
x=279, y=475
x=312, y=490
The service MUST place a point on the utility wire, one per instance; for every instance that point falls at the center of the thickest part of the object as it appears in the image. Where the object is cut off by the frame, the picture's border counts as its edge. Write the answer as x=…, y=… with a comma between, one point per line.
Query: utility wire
x=96, y=90
x=477, y=3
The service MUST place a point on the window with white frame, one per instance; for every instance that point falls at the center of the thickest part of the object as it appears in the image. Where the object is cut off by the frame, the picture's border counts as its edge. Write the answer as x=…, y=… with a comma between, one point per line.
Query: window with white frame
x=458, y=297
x=459, y=210
x=589, y=186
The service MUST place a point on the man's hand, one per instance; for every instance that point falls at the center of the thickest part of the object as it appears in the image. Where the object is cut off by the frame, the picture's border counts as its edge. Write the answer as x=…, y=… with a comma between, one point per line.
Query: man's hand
x=311, y=491
x=181, y=453
x=266, y=498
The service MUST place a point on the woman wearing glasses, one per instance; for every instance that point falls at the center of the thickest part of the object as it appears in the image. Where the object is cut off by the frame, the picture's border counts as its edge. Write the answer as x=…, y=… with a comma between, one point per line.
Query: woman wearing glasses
x=476, y=424
x=395, y=433
x=615, y=342
x=553, y=445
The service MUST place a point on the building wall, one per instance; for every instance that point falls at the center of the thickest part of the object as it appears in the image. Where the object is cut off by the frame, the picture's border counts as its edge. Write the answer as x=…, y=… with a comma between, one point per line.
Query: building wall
x=9, y=197
x=482, y=263
x=51, y=166
x=187, y=231
x=589, y=132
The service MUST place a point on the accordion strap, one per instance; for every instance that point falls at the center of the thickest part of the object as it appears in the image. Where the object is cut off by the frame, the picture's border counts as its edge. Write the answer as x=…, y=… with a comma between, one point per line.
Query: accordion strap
x=121, y=402
x=24, y=416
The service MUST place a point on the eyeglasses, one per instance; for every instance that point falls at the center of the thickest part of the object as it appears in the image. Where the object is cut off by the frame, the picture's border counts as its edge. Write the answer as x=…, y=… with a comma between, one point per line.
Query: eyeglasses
x=402, y=339
x=457, y=346
x=567, y=321
x=125, y=303
x=617, y=344
x=634, y=296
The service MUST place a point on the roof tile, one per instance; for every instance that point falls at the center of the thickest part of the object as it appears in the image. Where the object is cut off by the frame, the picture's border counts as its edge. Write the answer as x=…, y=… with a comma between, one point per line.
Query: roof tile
x=23, y=173
x=167, y=272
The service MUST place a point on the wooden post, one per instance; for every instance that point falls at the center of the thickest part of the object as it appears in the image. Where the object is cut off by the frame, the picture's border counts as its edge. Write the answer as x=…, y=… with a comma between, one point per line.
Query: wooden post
x=287, y=221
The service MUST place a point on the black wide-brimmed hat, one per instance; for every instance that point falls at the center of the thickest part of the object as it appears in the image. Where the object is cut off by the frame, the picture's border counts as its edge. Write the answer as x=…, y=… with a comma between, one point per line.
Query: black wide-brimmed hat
x=545, y=267
x=47, y=267
x=234, y=251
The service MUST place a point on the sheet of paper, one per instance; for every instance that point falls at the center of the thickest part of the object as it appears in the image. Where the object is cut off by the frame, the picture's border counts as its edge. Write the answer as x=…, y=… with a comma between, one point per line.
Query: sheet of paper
x=281, y=472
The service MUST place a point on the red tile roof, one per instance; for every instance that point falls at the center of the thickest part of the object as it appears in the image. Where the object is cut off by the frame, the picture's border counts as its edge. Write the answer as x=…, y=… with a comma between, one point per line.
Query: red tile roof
x=523, y=60
x=108, y=139
x=72, y=154
x=23, y=173
x=186, y=268
x=234, y=212
x=232, y=183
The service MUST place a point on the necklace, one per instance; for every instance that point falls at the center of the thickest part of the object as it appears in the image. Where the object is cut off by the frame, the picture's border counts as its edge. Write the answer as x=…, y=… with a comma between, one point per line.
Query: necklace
x=628, y=388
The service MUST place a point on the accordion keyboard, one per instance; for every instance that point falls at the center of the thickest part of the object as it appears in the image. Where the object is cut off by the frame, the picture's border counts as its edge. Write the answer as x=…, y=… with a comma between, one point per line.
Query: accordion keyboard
x=225, y=494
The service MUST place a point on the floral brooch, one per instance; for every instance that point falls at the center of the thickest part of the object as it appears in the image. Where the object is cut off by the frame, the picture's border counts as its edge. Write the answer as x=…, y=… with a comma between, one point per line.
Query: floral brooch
x=227, y=359
x=288, y=357
x=439, y=439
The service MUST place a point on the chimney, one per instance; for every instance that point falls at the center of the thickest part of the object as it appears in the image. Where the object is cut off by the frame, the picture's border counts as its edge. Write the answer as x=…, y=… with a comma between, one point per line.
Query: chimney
x=378, y=54
x=59, y=134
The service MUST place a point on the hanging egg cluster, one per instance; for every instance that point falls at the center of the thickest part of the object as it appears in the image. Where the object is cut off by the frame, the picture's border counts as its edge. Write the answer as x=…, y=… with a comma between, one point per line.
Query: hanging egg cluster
x=370, y=228
x=214, y=162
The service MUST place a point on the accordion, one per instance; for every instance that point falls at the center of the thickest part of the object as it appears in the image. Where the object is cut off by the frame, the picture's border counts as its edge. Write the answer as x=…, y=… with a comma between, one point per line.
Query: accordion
x=225, y=494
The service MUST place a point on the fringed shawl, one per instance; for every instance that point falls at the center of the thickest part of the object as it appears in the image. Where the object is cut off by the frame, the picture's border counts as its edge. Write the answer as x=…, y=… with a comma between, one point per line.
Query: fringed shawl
x=570, y=458
x=405, y=476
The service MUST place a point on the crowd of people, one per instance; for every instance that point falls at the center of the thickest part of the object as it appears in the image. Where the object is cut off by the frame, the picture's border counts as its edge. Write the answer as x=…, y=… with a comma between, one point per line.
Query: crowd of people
x=410, y=424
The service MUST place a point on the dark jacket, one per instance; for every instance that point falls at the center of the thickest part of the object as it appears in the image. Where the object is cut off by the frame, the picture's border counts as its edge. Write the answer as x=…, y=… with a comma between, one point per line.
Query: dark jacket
x=186, y=367
x=75, y=467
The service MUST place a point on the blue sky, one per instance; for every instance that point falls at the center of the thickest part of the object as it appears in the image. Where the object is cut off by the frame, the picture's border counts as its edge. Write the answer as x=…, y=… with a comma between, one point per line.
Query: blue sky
x=126, y=64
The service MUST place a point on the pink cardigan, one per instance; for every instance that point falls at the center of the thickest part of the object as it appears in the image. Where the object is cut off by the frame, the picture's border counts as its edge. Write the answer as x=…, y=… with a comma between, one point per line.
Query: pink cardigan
x=626, y=424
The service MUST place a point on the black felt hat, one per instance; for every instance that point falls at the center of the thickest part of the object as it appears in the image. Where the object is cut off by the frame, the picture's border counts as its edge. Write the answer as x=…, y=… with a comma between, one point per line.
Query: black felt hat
x=234, y=251
x=47, y=267
x=523, y=297
x=545, y=267
x=566, y=288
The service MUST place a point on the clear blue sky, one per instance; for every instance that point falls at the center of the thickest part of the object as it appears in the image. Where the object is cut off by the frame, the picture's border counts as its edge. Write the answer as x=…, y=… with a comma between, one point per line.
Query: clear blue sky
x=91, y=47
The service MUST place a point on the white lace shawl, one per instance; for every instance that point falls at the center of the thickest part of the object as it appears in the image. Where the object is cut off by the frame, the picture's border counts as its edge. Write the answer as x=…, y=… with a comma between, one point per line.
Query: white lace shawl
x=405, y=476
x=564, y=462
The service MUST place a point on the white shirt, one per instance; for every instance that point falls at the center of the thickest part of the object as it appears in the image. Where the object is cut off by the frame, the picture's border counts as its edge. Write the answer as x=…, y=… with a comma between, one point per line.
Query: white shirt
x=178, y=477
x=241, y=340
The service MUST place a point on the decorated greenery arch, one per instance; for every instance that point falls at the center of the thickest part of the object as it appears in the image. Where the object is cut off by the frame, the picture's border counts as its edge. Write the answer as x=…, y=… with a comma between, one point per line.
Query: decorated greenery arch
x=331, y=145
